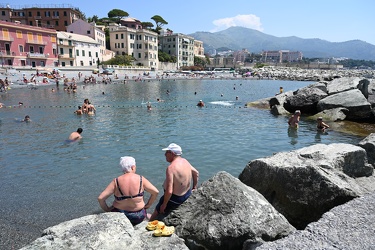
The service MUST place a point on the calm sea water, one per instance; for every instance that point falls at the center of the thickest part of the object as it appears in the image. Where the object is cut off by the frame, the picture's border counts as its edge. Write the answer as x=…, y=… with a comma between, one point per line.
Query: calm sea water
x=46, y=180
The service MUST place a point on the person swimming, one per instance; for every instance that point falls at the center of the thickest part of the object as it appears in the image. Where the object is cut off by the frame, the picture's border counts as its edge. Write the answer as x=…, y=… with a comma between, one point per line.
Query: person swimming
x=27, y=119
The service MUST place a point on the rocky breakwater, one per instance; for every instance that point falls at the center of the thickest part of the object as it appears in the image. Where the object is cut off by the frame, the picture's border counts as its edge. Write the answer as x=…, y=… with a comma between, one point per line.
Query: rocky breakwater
x=298, y=74
x=318, y=197
x=350, y=98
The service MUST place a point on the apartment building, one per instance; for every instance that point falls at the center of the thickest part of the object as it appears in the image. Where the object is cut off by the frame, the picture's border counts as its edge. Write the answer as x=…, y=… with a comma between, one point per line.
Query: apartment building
x=77, y=50
x=24, y=45
x=94, y=31
x=179, y=45
x=198, y=48
x=280, y=56
x=51, y=16
x=141, y=44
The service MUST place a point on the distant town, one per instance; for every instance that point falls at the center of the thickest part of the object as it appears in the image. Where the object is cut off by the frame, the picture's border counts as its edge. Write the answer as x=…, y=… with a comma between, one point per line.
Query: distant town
x=60, y=35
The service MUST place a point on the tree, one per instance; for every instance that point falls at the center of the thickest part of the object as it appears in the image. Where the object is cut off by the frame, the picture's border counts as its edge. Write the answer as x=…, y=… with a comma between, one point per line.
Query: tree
x=117, y=14
x=147, y=25
x=159, y=21
x=120, y=60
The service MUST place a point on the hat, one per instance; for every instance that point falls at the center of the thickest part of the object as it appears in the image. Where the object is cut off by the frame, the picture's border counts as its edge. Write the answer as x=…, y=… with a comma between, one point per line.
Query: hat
x=320, y=118
x=200, y=100
x=174, y=148
x=297, y=112
x=126, y=163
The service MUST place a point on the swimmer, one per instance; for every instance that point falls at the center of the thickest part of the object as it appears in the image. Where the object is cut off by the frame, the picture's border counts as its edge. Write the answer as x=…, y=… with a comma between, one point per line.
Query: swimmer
x=200, y=103
x=76, y=135
x=27, y=119
x=79, y=111
x=321, y=126
x=149, y=107
x=294, y=119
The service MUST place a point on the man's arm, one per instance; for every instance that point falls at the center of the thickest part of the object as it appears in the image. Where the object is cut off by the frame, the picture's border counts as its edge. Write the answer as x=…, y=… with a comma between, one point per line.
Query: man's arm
x=195, y=175
x=168, y=185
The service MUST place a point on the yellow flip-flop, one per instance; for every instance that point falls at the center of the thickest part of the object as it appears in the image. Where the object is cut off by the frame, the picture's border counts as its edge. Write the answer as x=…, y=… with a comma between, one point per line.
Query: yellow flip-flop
x=164, y=231
x=155, y=224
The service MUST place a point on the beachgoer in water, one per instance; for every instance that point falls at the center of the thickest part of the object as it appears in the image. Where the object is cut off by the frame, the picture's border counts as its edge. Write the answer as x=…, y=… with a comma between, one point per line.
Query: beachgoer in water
x=79, y=111
x=200, y=103
x=177, y=185
x=85, y=105
x=321, y=126
x=149, y=107
x=91, y=109
x=76, y=135
x=27, y=119
x=128, y=190
x=294, y=119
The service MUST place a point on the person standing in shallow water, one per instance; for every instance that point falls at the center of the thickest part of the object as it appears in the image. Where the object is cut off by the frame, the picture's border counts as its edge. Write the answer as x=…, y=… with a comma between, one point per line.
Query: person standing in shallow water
x=294, y=119
x=177, y=185
x=321, y=126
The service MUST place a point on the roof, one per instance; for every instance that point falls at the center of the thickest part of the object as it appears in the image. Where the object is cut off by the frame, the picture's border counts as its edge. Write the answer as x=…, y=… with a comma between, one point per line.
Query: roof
x=75, y=37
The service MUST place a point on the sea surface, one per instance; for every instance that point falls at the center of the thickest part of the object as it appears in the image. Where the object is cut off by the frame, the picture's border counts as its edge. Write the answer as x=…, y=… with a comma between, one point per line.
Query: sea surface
x=46, y=180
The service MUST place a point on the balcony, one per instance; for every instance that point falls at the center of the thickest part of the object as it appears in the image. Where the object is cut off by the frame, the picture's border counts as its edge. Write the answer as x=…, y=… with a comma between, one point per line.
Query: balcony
x=37, y=55
x=32, y=41
x=7, y=53
x=66, y=56
x=55, y=17
x=38, y=17
x=6, y=38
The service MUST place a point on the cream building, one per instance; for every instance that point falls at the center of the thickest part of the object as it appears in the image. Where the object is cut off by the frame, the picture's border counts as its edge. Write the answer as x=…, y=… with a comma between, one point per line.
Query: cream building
x=141, y=44
x=77, y=50
x=179, y=45
x=94, y=31
x=198, y=48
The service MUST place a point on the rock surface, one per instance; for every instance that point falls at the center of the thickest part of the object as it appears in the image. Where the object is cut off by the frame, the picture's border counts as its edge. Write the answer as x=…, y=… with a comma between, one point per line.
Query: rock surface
x=224, y=213
x=103, y=231
x=305, y=183
x=349, y=226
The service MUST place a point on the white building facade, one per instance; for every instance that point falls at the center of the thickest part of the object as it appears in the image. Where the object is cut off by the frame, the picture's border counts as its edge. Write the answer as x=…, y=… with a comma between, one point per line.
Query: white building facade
x=77, y=50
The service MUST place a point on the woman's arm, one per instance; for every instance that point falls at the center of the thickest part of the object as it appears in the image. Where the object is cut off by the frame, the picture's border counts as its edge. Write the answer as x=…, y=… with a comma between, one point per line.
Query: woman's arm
x=104, y=196
x=152, y=190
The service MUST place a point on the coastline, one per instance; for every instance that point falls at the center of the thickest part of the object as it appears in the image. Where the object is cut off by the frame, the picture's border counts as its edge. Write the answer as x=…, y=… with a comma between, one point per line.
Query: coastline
x=25, y=233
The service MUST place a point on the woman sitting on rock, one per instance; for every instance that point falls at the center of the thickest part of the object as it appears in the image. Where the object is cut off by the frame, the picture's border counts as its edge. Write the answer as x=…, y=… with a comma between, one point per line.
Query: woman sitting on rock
x=128, y=190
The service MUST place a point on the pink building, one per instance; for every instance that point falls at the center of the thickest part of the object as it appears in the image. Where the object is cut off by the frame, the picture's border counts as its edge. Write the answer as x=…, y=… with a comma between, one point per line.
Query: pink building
x=28, y=46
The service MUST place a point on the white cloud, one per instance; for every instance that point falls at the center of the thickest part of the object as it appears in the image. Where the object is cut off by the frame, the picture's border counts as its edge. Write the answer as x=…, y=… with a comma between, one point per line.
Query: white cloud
x=248, y=21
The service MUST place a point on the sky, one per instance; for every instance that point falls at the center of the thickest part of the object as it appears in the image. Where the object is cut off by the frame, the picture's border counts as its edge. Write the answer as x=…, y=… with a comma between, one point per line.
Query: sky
x=330, y=20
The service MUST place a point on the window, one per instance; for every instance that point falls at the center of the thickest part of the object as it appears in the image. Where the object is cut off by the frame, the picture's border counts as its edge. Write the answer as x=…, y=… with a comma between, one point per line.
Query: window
x=31, y=23
x=47, y=13
x=89, y=53
x=31, y=49
x=83, y=53
x=57, y=23
x=116, y=36
x=20, y=48
x=88, y=32
x=66, y=23
x=122, y=45
x=65, y=14
x=61, y=51
x=3, y=13
x=77, y=52
x=41, y=49
x=131, y=36
x=38, y=13
x=19, y=34
x=122, y=36
x=30, y=14
x=139, y=55
x=96, y=54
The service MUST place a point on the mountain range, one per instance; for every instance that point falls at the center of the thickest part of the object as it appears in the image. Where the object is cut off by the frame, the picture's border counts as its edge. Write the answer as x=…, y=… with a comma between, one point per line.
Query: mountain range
x=238, y=38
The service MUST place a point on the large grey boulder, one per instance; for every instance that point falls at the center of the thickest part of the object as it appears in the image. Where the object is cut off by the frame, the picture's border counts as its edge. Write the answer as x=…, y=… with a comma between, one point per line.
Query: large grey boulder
x=279, y=99
x=369, y=145
x=336, y=114
x=353, y=100
x=305, y=99
x=342, y=84
x=305, y=183
x=224, y=213
x=349, y=226
x=103, y=231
